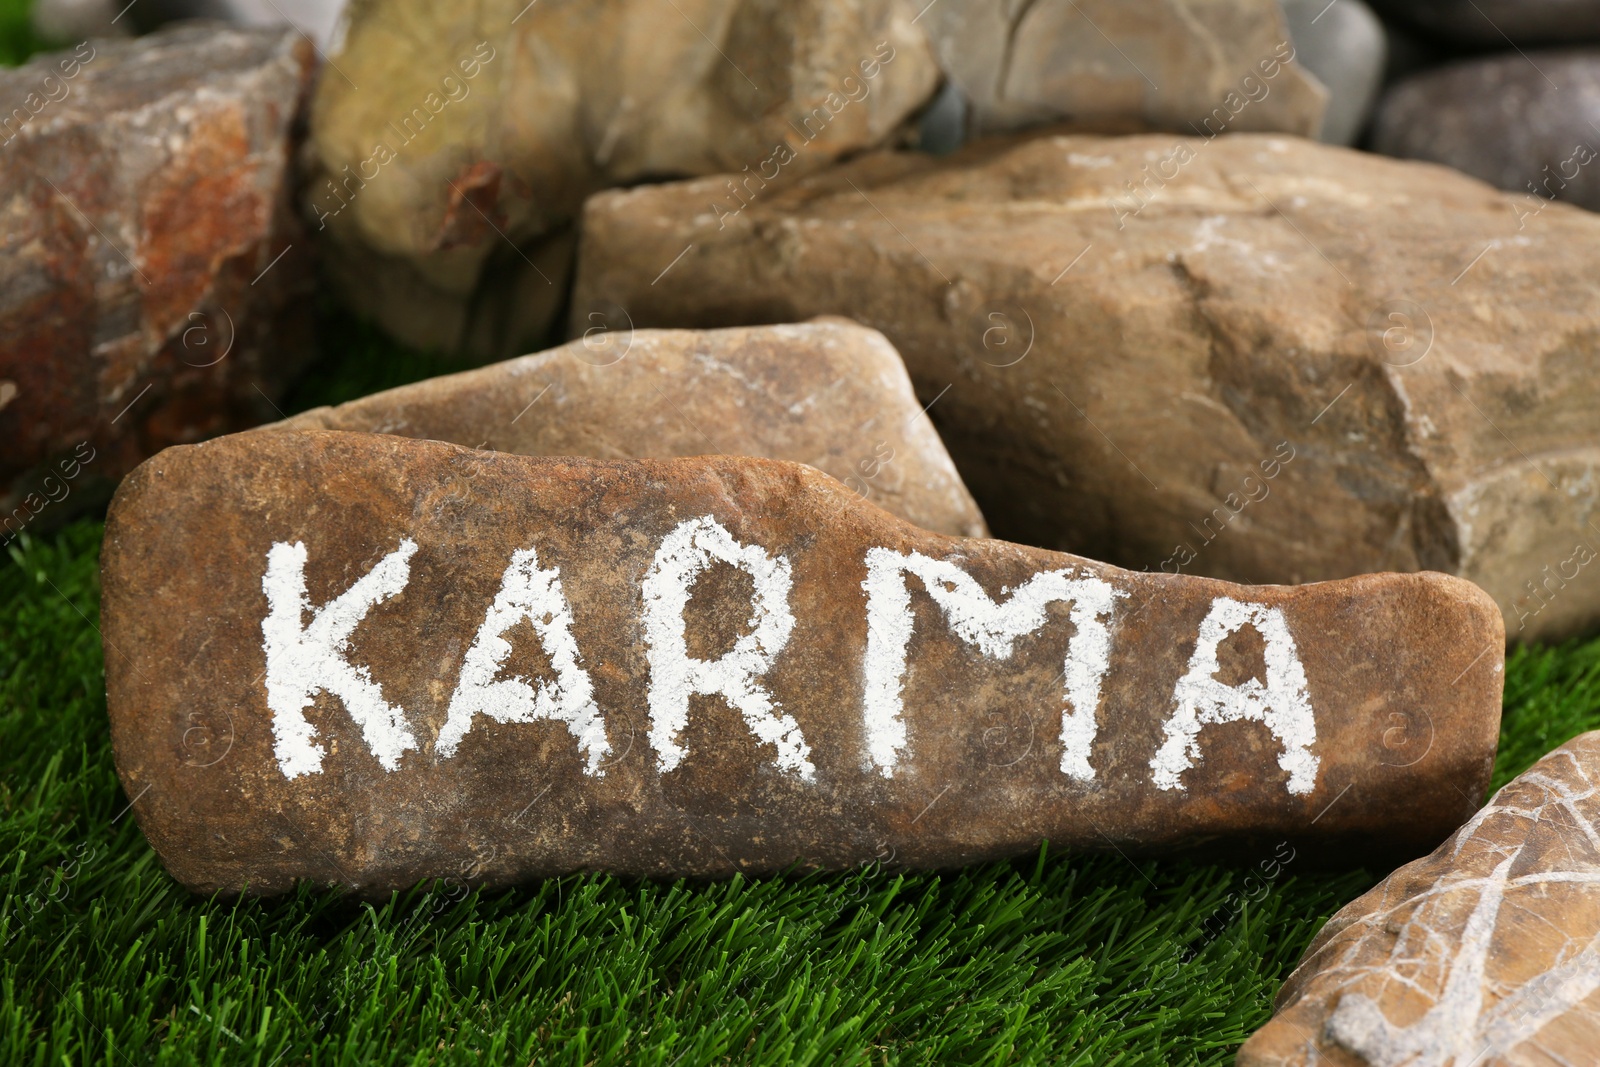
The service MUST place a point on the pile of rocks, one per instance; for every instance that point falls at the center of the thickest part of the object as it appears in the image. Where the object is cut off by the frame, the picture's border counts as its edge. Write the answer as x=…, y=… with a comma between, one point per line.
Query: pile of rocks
x=703, y=589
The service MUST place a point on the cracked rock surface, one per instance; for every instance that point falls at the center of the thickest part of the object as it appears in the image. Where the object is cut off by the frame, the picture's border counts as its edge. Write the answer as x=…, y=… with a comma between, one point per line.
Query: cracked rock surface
x=827, y=392
x=146, y=195
x=369, y=660
x=1254, y=357
x=1487, y=952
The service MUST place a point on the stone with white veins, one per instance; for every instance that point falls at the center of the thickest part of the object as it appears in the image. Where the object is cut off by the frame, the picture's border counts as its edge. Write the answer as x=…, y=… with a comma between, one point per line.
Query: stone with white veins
x=370, y=660
x=1486, y=952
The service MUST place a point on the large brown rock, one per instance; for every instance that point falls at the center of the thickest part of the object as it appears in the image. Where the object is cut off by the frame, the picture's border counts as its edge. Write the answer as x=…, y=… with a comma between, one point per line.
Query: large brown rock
x=827, y=392
x=1269, y=360
x=154, y=280
x=1139, y=64
x=365, y=659
x=452, y=145
x=1485, y=953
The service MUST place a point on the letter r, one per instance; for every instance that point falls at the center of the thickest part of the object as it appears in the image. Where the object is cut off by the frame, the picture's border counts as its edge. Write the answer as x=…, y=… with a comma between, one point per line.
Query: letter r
x=675, y=676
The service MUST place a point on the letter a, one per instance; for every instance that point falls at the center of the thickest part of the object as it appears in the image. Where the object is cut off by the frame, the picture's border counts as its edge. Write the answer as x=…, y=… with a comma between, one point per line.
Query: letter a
x=305, y=659
x=1281, y=704
x=527, y=592
x=675, y=676
x=993, y=628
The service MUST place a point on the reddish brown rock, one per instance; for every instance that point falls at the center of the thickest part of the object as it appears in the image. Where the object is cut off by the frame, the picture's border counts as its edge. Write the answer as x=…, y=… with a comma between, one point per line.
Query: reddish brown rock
x=145, y=186
x=1195, y=354
x=1485, y=953
x=364, y=659
x=826, y=392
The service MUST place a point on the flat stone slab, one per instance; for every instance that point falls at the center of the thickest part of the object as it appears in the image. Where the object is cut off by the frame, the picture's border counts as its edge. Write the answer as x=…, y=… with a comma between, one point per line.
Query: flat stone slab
x=367, y=660
x=827, y=392
x=1485, y=953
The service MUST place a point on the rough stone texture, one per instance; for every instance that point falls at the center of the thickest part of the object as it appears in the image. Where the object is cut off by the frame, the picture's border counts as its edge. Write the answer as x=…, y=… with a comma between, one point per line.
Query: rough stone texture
x=1345, y=46
x=145, y=191
x=713, y=696
x=1527, y=128
x=1117, y=379
x=1494, y=22
x=827, y=392
x=1120, y=64
x=1485, y=953
x=451, y=143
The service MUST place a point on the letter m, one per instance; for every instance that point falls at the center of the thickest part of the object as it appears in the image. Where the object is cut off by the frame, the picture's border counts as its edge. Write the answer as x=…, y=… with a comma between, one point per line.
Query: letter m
x=992, y=627
x=304, y=659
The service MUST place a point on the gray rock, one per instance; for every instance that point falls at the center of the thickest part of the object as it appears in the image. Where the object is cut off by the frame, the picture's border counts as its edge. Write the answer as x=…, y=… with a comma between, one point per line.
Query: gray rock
x=1528, y=124
x=1344, y=45
x=78, y=20
x=1119, y=66
x=1495, y=22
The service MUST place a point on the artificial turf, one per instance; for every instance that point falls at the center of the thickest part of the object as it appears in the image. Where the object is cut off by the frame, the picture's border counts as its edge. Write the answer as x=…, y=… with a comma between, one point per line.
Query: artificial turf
x=1048, y=959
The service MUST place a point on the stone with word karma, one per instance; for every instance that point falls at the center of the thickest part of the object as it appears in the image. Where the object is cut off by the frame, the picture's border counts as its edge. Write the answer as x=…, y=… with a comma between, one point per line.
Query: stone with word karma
x=1531, y=130
x=454, y=145
x=1194, y=355
x=154, y=280
x=367, y=660
x=827, y=392
x=1486, y=953
x=1117, y=65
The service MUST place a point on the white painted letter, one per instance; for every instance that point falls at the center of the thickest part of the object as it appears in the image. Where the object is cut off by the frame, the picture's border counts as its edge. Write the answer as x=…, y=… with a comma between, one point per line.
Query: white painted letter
x=1282, y=704
x=303, y=660
x=993, y=628
x=675, y=676
x=527, y=592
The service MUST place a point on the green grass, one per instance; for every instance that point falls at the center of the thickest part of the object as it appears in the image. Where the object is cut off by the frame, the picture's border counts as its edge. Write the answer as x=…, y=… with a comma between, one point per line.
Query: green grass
x=1050, y=959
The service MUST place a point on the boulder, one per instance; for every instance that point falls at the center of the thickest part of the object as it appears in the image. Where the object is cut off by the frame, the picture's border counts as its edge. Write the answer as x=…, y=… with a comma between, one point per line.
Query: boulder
x=1497, y=23
x=1252, y=357
x=452, y=147
x=1526, y=123
x=826, y=392
x=155, y=284
x=368, y=660
x=1486, y=953
x=1122, y=64
x=1346, y=47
